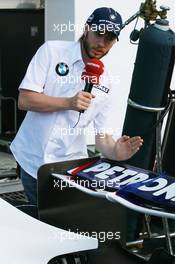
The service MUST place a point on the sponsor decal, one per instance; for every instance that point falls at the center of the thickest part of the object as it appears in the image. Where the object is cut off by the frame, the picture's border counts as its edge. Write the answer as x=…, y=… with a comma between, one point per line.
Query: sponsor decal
x=62, y=69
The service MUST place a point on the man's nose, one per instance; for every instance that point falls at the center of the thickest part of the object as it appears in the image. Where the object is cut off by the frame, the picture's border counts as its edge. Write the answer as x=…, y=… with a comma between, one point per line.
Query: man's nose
x=101, y=41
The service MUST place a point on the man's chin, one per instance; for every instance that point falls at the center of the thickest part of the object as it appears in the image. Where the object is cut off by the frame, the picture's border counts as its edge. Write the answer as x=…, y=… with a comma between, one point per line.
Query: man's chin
x=95, y=56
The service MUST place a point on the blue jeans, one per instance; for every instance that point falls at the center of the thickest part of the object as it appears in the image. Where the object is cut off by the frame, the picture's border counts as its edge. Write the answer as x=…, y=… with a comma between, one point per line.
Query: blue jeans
x=30, y=186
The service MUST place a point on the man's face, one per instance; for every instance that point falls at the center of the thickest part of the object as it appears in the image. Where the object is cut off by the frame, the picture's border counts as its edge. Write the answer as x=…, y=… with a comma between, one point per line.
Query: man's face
x=97, y=44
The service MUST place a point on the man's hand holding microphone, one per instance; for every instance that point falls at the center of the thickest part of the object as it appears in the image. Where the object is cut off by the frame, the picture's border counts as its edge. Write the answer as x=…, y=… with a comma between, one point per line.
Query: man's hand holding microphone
x=81, y=101
x=91, y=75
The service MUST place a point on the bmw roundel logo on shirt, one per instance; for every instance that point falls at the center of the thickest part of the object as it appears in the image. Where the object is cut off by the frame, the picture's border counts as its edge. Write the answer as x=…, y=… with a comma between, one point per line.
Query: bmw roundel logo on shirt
x=62, y=69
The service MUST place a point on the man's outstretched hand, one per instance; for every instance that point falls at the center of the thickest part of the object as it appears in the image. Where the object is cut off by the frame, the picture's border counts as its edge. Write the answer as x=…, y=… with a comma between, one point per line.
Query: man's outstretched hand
x=126, y=147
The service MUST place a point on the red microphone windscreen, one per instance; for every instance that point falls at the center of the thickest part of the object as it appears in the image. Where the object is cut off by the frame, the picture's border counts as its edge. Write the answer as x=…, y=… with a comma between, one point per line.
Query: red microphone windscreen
x=93, y=69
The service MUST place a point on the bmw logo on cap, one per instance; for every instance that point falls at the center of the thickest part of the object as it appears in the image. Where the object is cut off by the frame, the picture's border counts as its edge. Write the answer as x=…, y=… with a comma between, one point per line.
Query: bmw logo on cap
x=112, y=17
x=62, y=69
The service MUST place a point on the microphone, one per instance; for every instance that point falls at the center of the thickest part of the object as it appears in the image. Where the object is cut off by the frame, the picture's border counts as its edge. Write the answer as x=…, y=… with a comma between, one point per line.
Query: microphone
x=91, y=74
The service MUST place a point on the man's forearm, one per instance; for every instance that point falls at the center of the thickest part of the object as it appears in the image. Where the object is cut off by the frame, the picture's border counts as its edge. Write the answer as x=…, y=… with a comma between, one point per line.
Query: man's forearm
x=39, y=102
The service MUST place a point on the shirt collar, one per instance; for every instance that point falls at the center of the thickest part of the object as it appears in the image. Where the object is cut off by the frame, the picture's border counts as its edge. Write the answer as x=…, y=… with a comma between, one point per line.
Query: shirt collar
x=76, y=53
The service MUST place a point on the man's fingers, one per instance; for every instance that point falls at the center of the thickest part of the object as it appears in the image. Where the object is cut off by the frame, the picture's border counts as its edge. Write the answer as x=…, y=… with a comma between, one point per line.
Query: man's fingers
x=133, y=140
x=137, y=143
x=137, y=138
x=80, y=101
x=87, y=95
x=124, y=138
x=84, y=100
x=135, y=150
x=84, y=106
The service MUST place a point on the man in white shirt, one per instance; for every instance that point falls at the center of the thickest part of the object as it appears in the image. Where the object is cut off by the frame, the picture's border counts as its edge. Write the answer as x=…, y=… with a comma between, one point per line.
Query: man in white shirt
x=52, y=93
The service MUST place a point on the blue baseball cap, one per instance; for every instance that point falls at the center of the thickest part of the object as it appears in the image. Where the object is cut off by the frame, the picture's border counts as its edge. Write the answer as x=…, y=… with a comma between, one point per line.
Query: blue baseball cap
x=106, y=17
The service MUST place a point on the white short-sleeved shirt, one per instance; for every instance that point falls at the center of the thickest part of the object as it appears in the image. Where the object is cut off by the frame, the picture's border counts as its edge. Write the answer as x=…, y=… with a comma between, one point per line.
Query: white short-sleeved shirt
x=50, y=137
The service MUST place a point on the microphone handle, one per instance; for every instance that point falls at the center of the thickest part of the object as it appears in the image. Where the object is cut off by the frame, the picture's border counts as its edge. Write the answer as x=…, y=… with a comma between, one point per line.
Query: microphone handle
x=87, y=88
